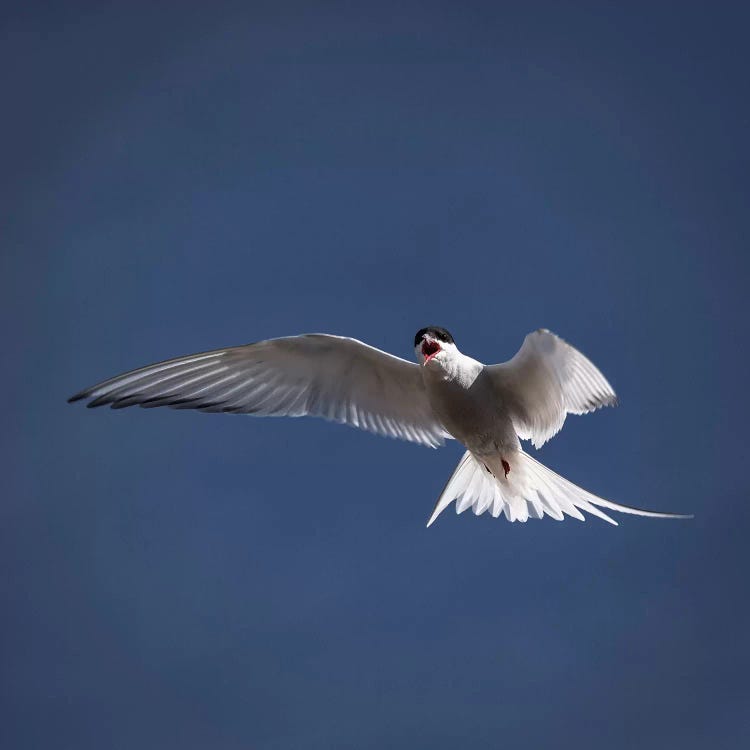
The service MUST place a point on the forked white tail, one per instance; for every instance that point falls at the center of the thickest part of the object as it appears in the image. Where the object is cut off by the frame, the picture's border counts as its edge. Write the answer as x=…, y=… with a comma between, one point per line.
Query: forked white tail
x=528, y=490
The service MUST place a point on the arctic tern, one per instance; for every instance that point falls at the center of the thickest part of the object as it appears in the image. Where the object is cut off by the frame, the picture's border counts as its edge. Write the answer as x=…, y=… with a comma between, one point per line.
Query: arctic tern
x=487, y=408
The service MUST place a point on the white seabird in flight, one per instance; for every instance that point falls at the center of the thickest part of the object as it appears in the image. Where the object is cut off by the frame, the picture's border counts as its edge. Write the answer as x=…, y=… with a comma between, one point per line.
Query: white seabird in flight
x=487, y=408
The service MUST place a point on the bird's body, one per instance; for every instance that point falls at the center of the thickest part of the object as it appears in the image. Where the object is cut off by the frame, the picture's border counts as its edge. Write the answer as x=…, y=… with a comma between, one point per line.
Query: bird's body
x=464, y=400
x=488, y=408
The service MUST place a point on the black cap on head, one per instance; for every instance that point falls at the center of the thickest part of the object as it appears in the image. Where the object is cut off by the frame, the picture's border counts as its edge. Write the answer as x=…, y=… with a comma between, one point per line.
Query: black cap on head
x=436, y=332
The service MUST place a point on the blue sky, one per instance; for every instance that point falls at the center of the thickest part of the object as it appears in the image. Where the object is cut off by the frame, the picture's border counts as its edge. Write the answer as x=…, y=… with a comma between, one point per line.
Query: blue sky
x=183, y=177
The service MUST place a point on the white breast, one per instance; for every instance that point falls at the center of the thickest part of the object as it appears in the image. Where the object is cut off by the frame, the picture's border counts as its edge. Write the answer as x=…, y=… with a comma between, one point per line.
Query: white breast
x=462, y=397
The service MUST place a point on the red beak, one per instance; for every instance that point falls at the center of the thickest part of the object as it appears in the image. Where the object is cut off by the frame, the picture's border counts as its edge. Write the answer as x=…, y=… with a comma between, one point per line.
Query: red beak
x=429, y=350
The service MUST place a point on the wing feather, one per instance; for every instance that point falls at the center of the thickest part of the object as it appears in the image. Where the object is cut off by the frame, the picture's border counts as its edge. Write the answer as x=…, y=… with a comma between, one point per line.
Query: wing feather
x=546, y=380
x=333, y=377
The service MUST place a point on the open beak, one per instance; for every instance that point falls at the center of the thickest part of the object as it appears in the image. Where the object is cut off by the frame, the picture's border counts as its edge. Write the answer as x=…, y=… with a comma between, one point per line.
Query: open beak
x=429, y=350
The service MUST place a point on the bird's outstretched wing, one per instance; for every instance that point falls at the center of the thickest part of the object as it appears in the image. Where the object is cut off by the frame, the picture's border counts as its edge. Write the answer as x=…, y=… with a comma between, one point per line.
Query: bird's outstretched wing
x=546, y=380
x=333, y=377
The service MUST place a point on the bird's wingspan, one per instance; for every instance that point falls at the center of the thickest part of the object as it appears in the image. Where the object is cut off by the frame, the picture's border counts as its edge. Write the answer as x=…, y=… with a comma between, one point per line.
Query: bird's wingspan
x=546, y=380
x=321, y=375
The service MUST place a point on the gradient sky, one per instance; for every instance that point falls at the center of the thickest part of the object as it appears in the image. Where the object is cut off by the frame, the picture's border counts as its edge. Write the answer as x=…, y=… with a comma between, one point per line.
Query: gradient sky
x=183, y=177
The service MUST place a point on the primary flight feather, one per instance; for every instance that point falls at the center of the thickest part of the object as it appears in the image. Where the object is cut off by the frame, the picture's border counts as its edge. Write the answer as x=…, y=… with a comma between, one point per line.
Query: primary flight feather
x=488, y=408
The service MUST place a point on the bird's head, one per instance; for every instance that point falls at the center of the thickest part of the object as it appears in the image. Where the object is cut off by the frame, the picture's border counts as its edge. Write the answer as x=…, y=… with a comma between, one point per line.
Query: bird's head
x=434, y=345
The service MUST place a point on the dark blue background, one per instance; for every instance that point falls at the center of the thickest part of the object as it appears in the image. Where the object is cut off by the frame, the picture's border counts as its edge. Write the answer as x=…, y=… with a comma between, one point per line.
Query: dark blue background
x=179, y=178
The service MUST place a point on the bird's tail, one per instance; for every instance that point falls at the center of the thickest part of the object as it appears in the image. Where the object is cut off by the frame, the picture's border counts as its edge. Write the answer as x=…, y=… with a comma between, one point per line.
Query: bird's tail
x=520, y=488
